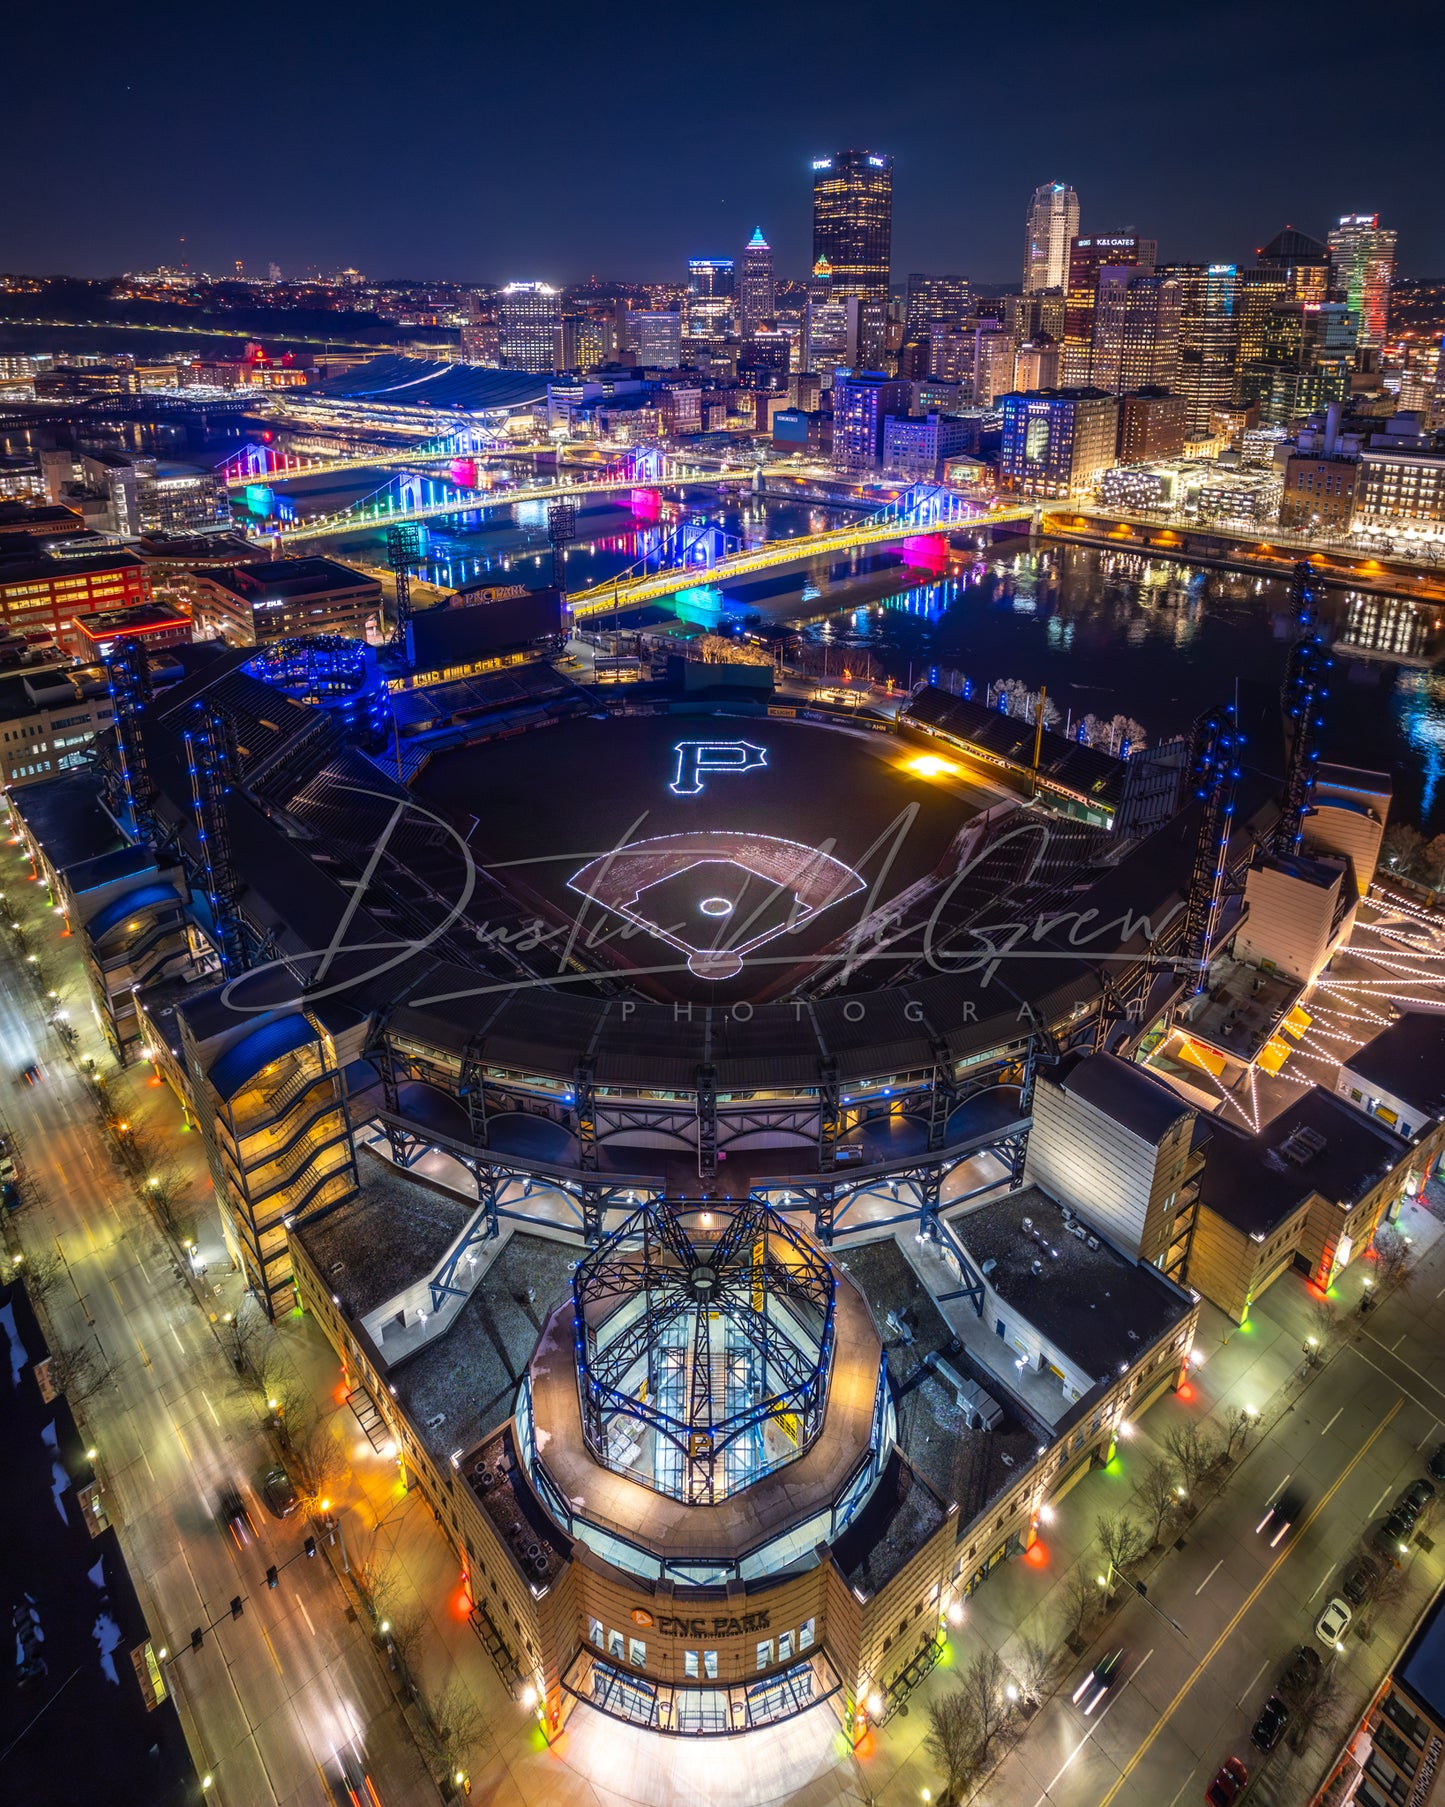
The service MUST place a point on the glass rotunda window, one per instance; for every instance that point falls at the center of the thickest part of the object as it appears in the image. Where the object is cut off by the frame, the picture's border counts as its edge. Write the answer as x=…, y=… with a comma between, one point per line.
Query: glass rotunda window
x=704, y=1340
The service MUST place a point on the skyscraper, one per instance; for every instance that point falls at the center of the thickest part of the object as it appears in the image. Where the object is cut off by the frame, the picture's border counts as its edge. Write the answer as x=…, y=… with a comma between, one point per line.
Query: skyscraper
x=710, y=288
x=757, y=283
x=860, y=403
x=1362, y=264
x=853, y=221
x=1302, y=261
x=529, y=316
x=1136, y=330
x=932, y=298
x=1053, y=223
x=1208, y=339
x=1087, y=256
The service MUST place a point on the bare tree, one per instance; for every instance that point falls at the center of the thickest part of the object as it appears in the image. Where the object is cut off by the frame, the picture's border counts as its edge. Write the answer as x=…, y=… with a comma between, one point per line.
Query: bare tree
x=1386, y=1587
x=317, y=1465
x=249, y=1335
x=454, y=1723
x=1159, y=1491
x=1033, y=1666
x=1324, y=1712
x=403, y=1630
x=79, y=1370
x=1323, y=1330
x=1392, y=1257
x=1121, y=1540
x=1081, y=1600
x=983, y=1684
x=42, y=1272
x=1239, y=1423
x=952, y=1741
x=1195, y=1452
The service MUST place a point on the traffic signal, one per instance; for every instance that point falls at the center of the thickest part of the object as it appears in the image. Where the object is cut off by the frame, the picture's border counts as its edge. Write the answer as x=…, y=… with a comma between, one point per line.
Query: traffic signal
x=310, y=1546
x=236, y=1607
x=198, y=1637
x=272, y=1579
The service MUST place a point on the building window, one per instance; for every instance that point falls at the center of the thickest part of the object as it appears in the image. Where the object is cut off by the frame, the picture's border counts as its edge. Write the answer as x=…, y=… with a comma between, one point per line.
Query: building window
x=765, y=1653
x=785, y=1647
x=690, y=1663
x=637, y=1653
x=805, y=1636
x=709, y=1665
x=614, y=1644
x=594, y=1632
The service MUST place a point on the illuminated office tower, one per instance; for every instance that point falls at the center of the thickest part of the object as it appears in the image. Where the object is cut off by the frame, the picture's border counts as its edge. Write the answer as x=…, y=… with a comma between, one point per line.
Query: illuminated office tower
x=861, y=401
x=853, y=221
x=1087, y=256
x=1362, y=264
x=934, y=298
x=656, y=337
x=710, y=291
x=529, y=319
x=1053, y=226
x=825, y=337
x=1260, y=290
x=1303, y=261
x=1036, y=365
x=993, y=362
x=1208, y=340
x=757, y=284
x=1136, y=330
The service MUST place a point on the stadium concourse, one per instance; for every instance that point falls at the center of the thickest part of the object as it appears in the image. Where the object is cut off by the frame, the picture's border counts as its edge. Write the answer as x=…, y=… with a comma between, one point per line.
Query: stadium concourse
x=646, y=1093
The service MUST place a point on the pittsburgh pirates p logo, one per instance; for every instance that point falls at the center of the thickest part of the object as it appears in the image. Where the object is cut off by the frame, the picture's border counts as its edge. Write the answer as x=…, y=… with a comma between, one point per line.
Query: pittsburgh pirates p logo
x=698, y=760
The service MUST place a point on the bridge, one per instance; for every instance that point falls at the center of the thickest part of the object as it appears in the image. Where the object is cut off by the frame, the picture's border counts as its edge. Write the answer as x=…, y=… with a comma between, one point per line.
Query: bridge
x=921, y=511
x=405, y=499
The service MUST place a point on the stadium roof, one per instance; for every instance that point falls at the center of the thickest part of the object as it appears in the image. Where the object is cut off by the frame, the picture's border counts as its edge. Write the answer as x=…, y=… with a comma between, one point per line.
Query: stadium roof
x=420, y=383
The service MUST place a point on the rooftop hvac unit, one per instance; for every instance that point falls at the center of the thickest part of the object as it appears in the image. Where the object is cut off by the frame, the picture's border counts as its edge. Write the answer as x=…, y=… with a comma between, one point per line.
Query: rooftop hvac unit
x=1092, y=1241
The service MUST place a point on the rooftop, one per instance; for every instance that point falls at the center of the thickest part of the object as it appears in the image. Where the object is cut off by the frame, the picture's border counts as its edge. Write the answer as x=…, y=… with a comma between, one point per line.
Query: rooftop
x=276, y=579
x=1126, y=1094
x=1408, y=1061
x=391, y=1233
x=1099, y=1309
x=1319, y=1144
x=1421, y=1670
x=65, y=817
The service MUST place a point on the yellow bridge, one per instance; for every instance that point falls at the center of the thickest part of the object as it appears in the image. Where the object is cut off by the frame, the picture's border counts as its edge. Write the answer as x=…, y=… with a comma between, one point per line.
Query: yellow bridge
x=628, y=593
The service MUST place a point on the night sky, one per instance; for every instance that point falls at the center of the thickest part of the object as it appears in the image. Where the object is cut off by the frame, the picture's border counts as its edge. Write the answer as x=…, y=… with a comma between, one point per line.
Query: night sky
x=490, y=143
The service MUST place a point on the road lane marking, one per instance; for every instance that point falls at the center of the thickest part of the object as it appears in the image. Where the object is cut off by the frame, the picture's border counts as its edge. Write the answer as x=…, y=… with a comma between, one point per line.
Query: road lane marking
x=1428, y=1435
x=1249, y=1685
x=116, y=1290
x=144, y=1357
x=1182, y=1786
x=304, y=1614
x=1325, y=1577
x=1397, y=1342
x=1326, y=1431
x=272, y=1648
x=1278, y=1491
x=209, y=1407
x=1147, y=1743
x=1131, y=1676
x=179, y=1344
x=1354, y=1349
x=1208, y=1578
x=1378, y=1503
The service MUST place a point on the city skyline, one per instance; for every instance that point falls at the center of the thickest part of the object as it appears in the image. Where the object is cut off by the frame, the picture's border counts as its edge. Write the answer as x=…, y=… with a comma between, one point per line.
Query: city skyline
x=289, y=159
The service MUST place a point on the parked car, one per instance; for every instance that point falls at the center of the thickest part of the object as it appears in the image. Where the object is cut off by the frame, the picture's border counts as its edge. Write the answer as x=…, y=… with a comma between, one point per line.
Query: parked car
x=1436, y=1464
x=1273, y=1718
x=1359, y=1579
x=280, y=1492
x=1098, y=1681
x=1391, y=1537
x=1334, y=1622
x=1405, y=1508
x=1419, y=1493
x=1228, y=1785
x=1302, y=1672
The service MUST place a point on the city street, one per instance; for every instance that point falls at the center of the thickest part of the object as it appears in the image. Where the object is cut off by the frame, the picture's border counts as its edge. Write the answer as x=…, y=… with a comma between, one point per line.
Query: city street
x=272, y=1697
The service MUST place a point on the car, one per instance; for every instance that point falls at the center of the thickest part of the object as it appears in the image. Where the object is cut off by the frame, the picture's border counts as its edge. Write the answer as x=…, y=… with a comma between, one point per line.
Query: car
x=1359, y=1579
x=1334, y=1622
x=10, y=1195
x=1228, y=1784
x=1419, y=1493
x=1391, y=1536
x=1436, y=1464
x=1273, y=1718
x=280, y=1492
x=351, y=1785
x=1282, y=1512
x=33, y=1074
x=1405, y=1508
x=1303, y=1671
x=236, y=1518
x=1098, y=1681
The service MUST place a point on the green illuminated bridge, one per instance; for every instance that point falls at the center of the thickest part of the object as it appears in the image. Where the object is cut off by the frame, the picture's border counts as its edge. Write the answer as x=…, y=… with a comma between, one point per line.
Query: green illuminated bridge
x=628, y=592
